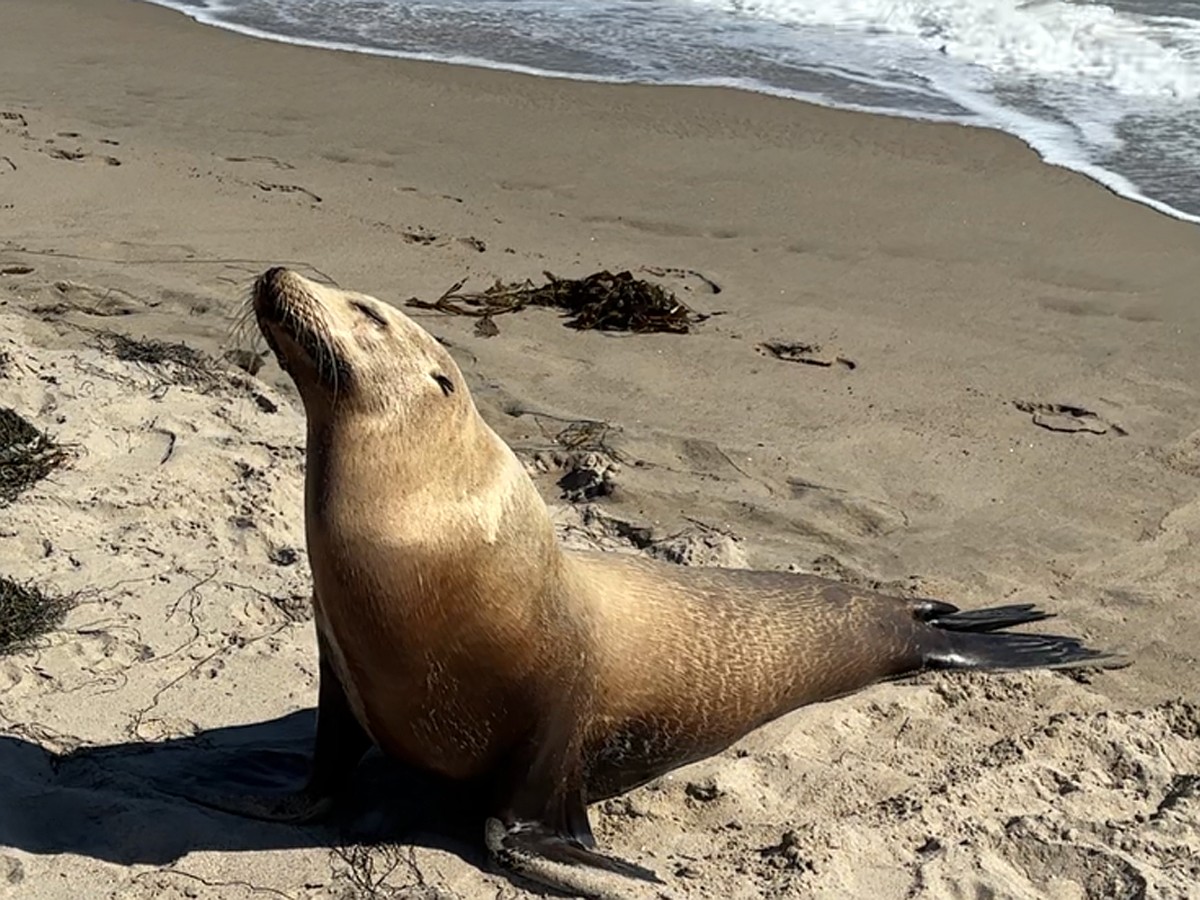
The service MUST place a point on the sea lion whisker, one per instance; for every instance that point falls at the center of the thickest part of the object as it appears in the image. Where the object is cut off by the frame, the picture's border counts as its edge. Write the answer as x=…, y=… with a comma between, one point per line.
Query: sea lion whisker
x=242, y=333
x=330, y=360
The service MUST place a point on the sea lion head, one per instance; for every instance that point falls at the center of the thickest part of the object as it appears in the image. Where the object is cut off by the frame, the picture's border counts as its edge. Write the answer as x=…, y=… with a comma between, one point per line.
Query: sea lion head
x=398, y=454
x=351, y=354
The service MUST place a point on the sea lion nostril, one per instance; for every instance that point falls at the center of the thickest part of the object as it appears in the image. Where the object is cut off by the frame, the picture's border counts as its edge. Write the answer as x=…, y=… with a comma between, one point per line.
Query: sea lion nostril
x=269, y=280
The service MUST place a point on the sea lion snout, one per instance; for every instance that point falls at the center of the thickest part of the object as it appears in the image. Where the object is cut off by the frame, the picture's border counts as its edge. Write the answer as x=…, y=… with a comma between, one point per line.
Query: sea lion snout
x=270, y=278
x=301, y=326
x=279, y=294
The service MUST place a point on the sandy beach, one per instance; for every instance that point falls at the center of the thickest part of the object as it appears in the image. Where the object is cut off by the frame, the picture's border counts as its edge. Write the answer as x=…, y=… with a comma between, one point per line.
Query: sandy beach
x=1020, y=422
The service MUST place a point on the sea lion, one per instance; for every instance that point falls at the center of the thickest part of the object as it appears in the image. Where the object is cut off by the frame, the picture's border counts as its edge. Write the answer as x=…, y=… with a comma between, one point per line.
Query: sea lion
x=456, y=634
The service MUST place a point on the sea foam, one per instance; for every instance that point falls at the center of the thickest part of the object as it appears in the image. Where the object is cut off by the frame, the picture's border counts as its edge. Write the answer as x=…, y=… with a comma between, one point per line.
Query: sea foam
x=1108, y=91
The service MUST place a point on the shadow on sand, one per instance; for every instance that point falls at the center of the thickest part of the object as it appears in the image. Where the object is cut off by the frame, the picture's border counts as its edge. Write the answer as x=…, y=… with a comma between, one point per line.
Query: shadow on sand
x=122, y=803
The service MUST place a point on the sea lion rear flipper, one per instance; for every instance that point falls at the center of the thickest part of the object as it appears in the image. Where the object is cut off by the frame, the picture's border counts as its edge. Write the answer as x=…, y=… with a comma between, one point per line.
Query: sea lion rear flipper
x=340, y=743
x=980, y=639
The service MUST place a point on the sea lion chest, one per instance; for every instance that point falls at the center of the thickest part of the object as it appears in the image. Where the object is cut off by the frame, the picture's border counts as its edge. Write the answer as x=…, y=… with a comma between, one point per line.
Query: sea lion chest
x=423, y=666
x=432, y=590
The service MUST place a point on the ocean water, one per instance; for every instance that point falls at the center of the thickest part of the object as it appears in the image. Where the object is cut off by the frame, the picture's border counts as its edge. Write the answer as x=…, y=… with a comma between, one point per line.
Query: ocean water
x=1108, y=89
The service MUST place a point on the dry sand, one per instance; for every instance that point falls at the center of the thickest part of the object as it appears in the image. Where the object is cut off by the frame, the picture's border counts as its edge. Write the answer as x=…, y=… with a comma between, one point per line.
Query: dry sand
x=149, y=167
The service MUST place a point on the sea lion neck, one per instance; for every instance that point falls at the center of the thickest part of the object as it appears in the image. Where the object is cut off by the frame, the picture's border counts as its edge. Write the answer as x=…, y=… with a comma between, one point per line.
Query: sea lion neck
x=385, y=482
x=373, y=448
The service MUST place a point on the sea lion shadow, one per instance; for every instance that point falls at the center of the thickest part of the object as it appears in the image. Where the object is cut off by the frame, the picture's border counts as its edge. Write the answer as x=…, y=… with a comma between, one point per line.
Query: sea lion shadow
x=128, y=803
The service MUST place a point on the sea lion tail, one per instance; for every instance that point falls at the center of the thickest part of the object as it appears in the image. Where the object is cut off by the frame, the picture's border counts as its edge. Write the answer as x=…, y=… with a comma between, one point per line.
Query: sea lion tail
x=976, y=639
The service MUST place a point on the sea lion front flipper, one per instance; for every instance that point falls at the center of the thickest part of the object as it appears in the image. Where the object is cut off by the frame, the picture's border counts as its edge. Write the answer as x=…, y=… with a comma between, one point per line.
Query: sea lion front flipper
x=340, y=744
x=341, y=740
x=540, y=854
x=543, y=833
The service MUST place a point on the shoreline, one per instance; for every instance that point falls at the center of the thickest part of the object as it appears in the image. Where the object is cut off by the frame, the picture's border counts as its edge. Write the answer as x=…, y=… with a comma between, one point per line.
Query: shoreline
x=1022, y=424
x=1110, y=180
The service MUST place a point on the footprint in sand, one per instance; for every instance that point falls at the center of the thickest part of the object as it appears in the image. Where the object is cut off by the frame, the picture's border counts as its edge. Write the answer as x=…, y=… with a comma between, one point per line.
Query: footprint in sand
x=1068, y=418
x=97, y=658
x=658, y=228
x=286, y=189
x=418, y=235
x=97, y=301
x=1182, y=456
x=840, y=512
x=79, y=156
x=683, y=276
x=270, y=160
x=806, y=354
x=1043, y=858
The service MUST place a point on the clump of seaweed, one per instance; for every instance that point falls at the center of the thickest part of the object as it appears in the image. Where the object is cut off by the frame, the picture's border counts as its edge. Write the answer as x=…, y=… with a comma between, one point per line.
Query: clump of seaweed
x=187, y=364
x=26, y=613
x=27, y=455
x=584, y=435
x=601, y=301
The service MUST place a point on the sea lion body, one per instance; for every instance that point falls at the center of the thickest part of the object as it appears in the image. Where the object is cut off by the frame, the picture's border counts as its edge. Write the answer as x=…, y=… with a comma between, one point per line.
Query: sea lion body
x=460, y=637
